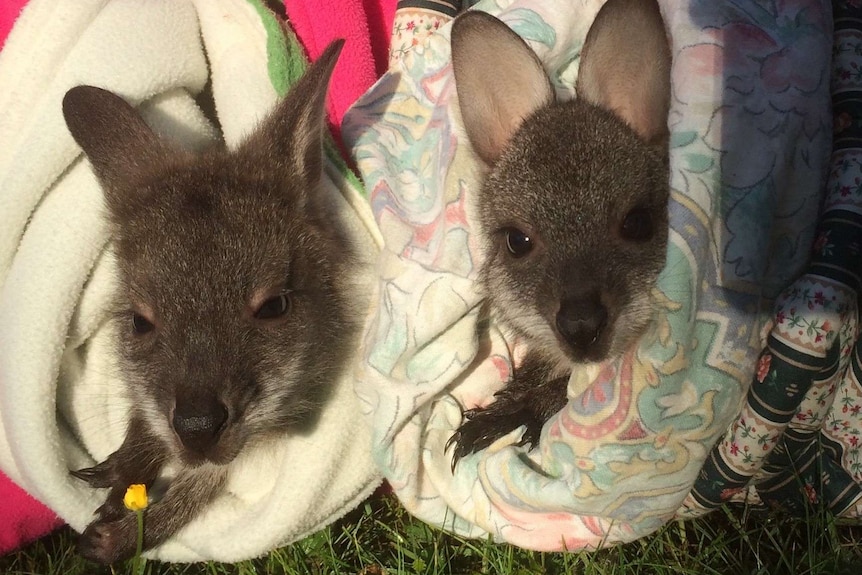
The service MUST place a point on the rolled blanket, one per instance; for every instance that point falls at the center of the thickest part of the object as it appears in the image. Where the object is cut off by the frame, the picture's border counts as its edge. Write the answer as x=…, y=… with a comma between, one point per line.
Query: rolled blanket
x=750, y=137
x=62, y=404
x=26, y=518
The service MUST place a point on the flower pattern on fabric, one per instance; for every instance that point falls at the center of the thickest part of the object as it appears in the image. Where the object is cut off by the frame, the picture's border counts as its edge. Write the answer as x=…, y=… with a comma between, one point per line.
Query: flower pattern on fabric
x=811, y=404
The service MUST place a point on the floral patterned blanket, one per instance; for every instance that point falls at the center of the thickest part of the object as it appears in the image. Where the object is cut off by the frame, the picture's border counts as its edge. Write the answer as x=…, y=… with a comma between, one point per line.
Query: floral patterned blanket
x=750, y=138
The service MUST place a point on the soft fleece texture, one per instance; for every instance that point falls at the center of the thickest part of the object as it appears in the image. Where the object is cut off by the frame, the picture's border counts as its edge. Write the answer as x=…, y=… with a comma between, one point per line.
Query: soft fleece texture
x=60, y=407
x=24, y=518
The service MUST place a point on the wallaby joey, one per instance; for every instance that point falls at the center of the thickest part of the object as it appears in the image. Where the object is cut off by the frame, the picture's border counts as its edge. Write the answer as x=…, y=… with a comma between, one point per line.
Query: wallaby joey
x=235, y=309
x=573, y=207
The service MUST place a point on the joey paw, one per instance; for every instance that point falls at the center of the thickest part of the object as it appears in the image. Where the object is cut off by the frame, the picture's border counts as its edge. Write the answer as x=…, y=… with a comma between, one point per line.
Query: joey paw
x=113, y=507
x=109, y=541
x=485, y=426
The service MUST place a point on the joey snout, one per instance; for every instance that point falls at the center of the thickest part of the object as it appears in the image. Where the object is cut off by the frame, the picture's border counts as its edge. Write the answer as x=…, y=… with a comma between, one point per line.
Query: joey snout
x=581, y=322
x=199, y=421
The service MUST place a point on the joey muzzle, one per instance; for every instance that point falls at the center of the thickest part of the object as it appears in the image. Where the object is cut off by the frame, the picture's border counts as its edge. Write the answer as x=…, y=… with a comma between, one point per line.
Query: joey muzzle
x=581, y=321
x=199, y=422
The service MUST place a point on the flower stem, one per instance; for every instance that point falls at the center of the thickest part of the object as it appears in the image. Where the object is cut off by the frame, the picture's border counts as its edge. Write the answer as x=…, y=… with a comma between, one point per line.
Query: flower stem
x=139, y=561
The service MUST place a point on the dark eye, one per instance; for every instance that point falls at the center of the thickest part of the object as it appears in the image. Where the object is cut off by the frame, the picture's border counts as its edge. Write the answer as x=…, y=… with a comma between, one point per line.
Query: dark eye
x=518, y=242
x=274, y=307
x=637, y=226
x=141, y=325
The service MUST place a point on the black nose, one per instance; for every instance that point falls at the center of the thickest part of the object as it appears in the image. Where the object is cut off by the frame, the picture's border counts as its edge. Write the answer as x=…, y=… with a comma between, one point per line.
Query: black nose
x=581, y=320
x=198, y=422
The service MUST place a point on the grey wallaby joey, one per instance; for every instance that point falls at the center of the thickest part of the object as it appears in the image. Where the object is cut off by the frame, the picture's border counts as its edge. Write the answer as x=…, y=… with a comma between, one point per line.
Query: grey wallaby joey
x=573, y=207
x=235, y=310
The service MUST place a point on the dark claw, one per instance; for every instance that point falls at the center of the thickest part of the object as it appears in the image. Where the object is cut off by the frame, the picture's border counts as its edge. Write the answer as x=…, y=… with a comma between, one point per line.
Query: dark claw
x=98, y=476
x=532, y=433
x=485, y=426
x=462, y=447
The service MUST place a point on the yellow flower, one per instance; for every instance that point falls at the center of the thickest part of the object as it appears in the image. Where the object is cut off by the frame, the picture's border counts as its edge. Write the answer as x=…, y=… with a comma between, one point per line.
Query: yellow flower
x=136, y=497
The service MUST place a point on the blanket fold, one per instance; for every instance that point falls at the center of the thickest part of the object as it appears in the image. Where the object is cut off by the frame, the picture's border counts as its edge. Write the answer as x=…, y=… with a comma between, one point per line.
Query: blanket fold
x=62, y=404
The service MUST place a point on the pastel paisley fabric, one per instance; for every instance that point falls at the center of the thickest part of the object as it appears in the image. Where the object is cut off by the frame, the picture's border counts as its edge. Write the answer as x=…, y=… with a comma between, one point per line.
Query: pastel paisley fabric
x=751, y=131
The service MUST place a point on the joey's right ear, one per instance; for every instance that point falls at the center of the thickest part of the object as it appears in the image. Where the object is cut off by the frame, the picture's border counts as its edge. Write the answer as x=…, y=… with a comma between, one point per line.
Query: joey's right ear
x=292, y=137
x=500, y=81
x=120, y=146
x=625, y=66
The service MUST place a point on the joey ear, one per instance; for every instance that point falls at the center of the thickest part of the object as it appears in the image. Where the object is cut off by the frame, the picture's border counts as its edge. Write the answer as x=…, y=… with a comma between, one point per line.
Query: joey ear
x=500, y=81
x=625, y=66
x=293, y=134
x=120, y=146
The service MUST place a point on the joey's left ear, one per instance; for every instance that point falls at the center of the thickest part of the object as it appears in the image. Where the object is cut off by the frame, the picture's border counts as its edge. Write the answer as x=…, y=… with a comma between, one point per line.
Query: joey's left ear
x=292, y=136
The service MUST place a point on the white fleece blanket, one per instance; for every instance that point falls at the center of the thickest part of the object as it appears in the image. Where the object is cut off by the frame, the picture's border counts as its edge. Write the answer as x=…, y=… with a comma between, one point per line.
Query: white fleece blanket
x=62, y=405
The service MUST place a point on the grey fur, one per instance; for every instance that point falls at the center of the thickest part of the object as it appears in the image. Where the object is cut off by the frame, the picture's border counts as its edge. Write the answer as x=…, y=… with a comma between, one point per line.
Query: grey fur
x=585, y=180
x=241, y=272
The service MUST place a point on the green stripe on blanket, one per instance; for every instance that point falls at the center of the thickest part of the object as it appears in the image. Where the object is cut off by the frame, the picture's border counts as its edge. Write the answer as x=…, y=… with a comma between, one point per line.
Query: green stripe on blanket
x=285, y=59
x=286, y=62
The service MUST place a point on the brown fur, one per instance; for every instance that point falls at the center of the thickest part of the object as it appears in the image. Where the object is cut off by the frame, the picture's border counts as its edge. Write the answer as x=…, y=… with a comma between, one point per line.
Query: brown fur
x=586, y=181
x=240, y=278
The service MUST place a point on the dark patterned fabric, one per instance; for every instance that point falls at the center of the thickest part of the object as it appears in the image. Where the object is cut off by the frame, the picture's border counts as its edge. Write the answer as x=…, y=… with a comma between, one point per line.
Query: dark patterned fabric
x=797, y=439
x=448, y=8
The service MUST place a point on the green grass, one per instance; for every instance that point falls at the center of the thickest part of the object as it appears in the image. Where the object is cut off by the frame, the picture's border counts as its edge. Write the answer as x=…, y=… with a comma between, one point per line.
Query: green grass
x=380, y=538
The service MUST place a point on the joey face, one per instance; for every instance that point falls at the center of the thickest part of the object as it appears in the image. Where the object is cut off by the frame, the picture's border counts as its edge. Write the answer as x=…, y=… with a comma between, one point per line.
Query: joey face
x=573, y=208
x=234, y=309
x=223, y=323
x=574, y=245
